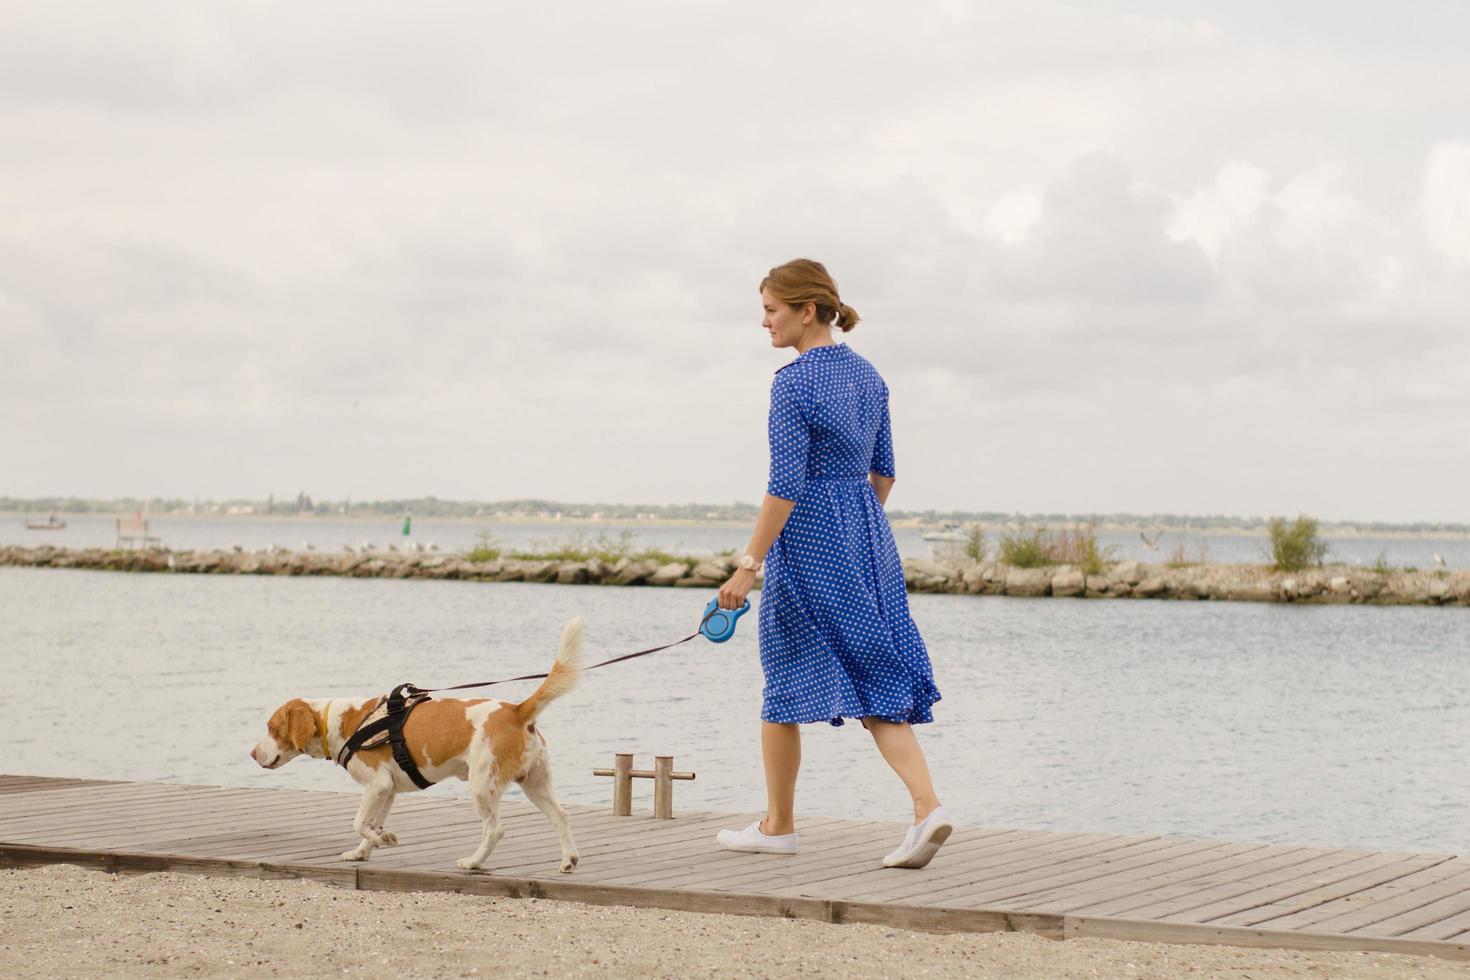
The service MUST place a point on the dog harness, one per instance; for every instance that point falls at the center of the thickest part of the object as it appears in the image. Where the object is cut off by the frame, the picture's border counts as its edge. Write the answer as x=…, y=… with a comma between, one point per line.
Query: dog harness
x=384, y=724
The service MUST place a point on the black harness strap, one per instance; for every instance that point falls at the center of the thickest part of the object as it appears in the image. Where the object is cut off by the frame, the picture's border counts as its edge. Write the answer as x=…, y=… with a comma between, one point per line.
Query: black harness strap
x=399, y=704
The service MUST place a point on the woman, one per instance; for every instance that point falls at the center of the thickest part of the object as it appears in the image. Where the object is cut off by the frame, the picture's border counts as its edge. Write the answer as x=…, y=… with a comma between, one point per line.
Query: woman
x=835, y=634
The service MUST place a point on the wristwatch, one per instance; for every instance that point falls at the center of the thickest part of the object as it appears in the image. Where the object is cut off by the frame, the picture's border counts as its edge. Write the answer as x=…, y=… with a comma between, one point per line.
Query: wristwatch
x=748, y=562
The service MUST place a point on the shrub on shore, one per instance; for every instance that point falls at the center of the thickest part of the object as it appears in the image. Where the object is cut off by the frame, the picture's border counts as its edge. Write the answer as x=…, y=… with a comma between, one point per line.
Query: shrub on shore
x=604, y=548
x=486, y=548
x=1026, y=548
x=1038, y=547
x=1180, y=558
x=1296, y=545
x=975, y=542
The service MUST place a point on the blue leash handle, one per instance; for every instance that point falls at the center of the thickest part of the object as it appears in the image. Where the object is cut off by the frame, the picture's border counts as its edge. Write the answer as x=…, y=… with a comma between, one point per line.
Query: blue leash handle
x=718, y=624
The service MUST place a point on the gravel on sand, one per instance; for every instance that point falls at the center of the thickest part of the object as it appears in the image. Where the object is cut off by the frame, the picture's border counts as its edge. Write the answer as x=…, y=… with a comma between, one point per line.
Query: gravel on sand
x=66, y=921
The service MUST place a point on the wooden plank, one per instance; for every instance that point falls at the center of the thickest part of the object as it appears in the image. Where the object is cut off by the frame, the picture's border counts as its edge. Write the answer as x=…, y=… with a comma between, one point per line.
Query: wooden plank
x=1442, y=919
x=1210, y=905
x=1396, y=901
x=1241, y=886
x=712, y=858
x=943, y=920
x=1130, y=883
x=1140, y=930
x=148, y=822
x=1011, y=891
x=19, y=856
x=964, y=871
x=14, y=785
x=1397, y=866
x=1110, y=900
x=851, y=880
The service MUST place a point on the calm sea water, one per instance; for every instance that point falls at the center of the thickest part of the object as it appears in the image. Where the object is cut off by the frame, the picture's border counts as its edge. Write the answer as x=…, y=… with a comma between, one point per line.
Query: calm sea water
x=331, y=534
x=1328, y=725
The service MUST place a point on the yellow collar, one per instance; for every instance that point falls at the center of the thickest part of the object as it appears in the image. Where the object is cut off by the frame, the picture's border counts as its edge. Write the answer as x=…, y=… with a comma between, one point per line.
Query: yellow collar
x=326, y=749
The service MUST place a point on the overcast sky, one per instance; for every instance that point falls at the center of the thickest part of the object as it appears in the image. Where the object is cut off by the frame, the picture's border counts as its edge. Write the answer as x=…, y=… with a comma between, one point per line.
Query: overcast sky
x=1147, y=256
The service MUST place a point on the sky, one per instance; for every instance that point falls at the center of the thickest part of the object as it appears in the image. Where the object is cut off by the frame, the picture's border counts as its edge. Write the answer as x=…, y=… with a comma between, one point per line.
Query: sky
x=1185, y=257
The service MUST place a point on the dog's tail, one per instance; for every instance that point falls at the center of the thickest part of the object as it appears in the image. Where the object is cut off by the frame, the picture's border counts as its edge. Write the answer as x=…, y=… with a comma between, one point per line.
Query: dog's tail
x=563, y=677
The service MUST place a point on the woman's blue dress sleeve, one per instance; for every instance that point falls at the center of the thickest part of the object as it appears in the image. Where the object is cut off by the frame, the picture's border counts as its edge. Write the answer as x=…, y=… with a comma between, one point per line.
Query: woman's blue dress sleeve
x=790, y=438
x=882, y=463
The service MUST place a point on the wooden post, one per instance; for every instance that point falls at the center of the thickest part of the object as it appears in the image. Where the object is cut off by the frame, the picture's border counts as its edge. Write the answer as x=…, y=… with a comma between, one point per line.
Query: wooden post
x=663, y=777
x=623, y=784
x=663, y=787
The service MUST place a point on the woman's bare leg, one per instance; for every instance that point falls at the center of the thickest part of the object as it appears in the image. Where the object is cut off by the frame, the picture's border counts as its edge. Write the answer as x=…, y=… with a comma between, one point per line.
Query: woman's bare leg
x=900, y=748
x=781, y=750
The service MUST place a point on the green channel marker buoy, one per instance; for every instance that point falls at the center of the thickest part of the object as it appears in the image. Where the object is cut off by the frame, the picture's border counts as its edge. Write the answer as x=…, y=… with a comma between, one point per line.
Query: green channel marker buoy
x=407, y=524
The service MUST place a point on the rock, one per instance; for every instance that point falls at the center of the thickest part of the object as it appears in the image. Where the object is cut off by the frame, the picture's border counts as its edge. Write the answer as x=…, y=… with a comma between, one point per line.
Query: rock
x=1438, y=589
x=1251, y=590
x=711, y=572
x=1096, y=586
x=669, y=574
x=1339, y=585
x=1028, y=581
x=571, y=573
x=1126, y=572
x=542, y=571
x=1067, y=582
x=633, y=572
x=1151, y=586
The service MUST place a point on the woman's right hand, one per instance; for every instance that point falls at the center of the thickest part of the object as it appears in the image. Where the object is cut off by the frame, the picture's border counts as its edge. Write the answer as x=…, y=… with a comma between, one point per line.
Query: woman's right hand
x=736, y=588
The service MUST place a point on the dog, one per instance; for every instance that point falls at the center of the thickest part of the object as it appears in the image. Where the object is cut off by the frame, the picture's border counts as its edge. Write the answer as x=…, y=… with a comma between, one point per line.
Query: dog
x=487, y=742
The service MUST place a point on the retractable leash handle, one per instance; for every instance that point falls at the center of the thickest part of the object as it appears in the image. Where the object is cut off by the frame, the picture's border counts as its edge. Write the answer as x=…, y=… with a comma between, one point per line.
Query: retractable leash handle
x=718, y=624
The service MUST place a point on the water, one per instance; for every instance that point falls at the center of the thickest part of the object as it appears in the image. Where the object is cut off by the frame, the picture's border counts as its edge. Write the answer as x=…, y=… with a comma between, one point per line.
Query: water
x=331, y=534
x=1331, y=725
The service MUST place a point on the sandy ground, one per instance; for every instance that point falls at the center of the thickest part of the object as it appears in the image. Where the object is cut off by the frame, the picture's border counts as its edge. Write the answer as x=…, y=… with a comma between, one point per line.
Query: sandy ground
x=66, y=921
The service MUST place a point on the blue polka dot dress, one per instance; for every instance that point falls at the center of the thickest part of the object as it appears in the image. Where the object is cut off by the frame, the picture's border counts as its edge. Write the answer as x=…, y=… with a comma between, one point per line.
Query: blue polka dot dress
x=835, y=634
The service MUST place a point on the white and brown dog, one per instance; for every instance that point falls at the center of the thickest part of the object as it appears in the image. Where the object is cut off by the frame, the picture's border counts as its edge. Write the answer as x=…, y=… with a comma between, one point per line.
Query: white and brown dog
x=487, y=742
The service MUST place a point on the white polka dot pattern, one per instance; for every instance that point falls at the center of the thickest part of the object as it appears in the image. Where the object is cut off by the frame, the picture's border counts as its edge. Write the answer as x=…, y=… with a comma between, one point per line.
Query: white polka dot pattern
x=836, y=638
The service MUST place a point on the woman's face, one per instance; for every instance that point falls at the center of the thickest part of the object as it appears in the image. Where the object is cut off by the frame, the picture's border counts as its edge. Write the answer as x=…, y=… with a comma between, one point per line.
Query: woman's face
x=782, y=322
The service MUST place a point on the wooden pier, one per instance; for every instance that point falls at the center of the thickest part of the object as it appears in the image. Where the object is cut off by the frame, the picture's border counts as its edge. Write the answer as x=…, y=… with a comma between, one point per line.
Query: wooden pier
x=1060, y=885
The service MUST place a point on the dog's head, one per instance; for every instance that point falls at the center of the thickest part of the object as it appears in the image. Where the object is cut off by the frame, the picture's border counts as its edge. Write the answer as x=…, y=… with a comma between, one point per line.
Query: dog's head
x=289, y=730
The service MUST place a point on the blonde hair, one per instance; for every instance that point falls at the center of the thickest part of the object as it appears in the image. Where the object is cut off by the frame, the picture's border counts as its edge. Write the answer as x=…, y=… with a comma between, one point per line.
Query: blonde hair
x=803, y=281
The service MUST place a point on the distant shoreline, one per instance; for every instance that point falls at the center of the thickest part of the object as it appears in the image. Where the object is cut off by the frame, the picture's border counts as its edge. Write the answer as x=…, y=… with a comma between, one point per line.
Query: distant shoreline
x=1329, y=531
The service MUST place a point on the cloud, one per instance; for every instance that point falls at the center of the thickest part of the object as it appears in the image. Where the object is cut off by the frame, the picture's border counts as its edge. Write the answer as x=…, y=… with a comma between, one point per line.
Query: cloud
x=504, y=252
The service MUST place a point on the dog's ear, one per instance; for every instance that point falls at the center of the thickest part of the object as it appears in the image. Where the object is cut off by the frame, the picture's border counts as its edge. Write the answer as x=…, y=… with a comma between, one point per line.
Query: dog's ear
x=300, y=726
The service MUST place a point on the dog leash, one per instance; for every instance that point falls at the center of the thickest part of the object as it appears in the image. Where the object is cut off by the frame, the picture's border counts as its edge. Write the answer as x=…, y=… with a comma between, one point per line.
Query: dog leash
x=722, y=631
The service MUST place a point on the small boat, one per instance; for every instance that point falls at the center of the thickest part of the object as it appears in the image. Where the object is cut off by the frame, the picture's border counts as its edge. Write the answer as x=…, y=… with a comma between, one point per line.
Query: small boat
x=950, y=532
x=52, y=523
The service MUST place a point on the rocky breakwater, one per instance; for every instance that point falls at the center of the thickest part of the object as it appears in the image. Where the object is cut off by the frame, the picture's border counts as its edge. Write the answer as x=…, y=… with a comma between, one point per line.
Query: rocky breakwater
x=1119, y=580
x=1239, y=583
x=692, y=572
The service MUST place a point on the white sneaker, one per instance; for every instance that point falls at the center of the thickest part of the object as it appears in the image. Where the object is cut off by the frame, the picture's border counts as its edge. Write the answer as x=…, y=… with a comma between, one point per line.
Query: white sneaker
x=922, y=841
x=751, y=839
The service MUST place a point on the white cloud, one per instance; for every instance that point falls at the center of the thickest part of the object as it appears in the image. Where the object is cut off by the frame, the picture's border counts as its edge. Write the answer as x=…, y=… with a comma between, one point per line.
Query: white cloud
x=500, y=252
x=1444, y=202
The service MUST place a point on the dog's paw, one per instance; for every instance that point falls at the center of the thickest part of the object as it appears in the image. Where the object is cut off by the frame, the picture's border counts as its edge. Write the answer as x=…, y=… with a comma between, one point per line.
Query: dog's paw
x=387, y=839
x=354, y=855
x=468, y=864
x=568, y=863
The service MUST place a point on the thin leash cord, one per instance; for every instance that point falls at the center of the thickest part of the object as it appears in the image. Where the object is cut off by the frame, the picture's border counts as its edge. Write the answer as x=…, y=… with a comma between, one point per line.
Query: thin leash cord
x=534, y=677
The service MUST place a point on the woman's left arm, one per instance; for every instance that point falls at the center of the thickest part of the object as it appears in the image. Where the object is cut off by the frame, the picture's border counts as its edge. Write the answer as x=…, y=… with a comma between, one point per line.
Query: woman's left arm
x=774, y=513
